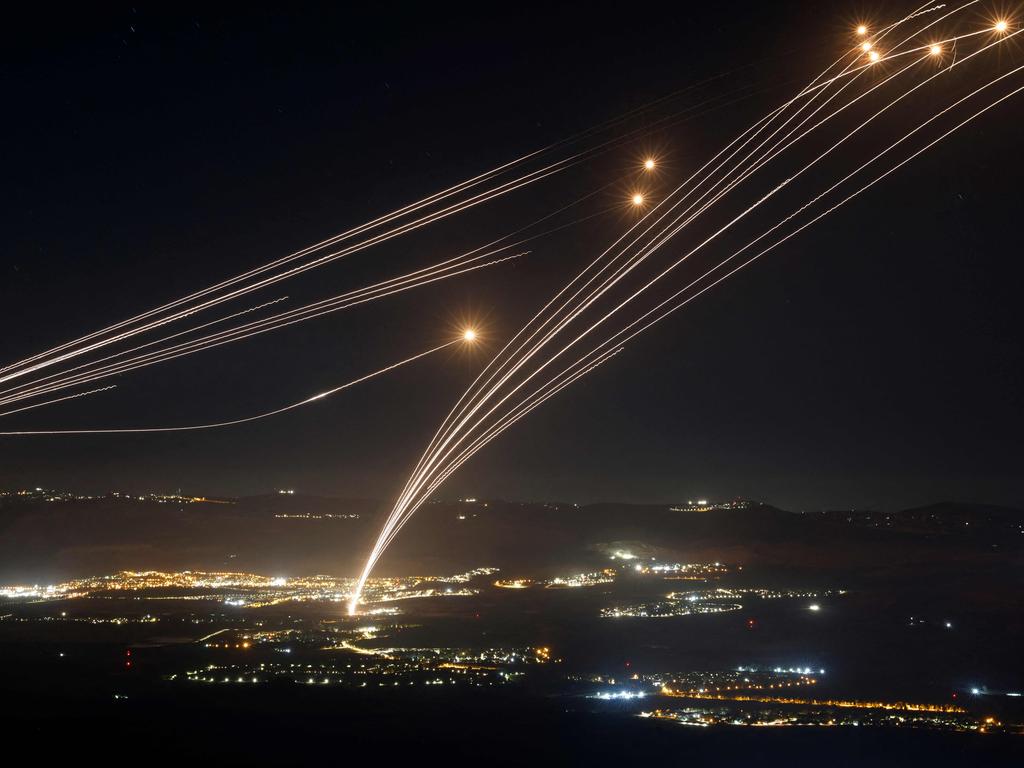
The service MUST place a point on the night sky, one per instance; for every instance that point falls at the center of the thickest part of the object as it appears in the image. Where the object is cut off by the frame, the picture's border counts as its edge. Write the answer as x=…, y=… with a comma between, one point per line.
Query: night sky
x=875, y=361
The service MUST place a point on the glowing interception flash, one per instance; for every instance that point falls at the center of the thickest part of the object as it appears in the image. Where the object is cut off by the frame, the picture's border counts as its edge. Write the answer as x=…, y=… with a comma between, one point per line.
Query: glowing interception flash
x=935, y=49
x=469, y=335
x=862, y=30
x=874, y=56
x=1001, y=26
x=638, y=199
x=865, y=47
x=649, y=164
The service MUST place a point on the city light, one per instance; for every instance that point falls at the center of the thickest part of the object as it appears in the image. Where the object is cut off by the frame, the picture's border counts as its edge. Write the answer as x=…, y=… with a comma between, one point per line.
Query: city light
x=614, y=695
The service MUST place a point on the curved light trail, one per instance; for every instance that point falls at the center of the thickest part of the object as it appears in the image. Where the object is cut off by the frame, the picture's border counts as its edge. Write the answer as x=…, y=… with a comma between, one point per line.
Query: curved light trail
x=232, y=422
x=485, y=409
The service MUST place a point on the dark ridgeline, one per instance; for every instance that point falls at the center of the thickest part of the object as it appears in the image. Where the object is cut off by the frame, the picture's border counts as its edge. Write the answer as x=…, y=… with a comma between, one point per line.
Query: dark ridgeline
x=47, y=540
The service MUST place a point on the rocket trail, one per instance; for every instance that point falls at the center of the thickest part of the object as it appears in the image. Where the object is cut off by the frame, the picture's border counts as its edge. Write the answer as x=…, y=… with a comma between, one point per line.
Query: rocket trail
x=592, y=297
x=756, y=128
x=657, y=244
x=376, y=240
x=93, y=341
x=59, y=400
x=241, y=332
x=525, y=408
x=619, y=339
x=448, y=268
x=231, y=422
x=457, y=439
x=458, y=265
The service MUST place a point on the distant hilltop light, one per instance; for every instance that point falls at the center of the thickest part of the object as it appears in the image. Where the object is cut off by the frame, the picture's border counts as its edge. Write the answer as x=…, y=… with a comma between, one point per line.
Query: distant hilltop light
x=289, y=491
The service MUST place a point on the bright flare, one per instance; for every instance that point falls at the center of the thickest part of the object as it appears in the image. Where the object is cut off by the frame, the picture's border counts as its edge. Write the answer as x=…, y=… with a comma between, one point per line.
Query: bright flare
x=862, y=30
x=469, y=335
x=935, y=49
x=649, y=164
x=865, y=46
x=1001, y=25
x=874, y=56
x=638, y=199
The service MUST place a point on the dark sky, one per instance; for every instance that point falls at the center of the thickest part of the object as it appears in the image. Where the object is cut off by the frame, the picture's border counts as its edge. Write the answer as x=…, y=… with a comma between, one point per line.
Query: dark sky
x=875, y=361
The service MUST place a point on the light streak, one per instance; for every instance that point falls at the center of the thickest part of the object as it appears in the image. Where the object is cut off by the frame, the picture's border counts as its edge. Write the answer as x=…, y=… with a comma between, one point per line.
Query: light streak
x=65, y=351
x=438, y=460
x=462, y=264
x=525, y=407
x=746, y=211
x=523, y=361
x=233, y=422
x=348, y=234
x=253, y=328
x=320, y=261
x=190, y=311
x=756, y=128
x=59, y=400
x=505, y=354
x=397, y=518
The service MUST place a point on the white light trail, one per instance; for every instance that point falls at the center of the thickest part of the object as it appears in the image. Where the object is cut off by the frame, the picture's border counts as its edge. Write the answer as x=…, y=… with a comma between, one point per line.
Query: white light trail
x=452, y=267
x=449, y=447
x=504, y=354
x=608, y=283
x=59, y=400
x=247, y=330
x=123, y=329
x=231, y=422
